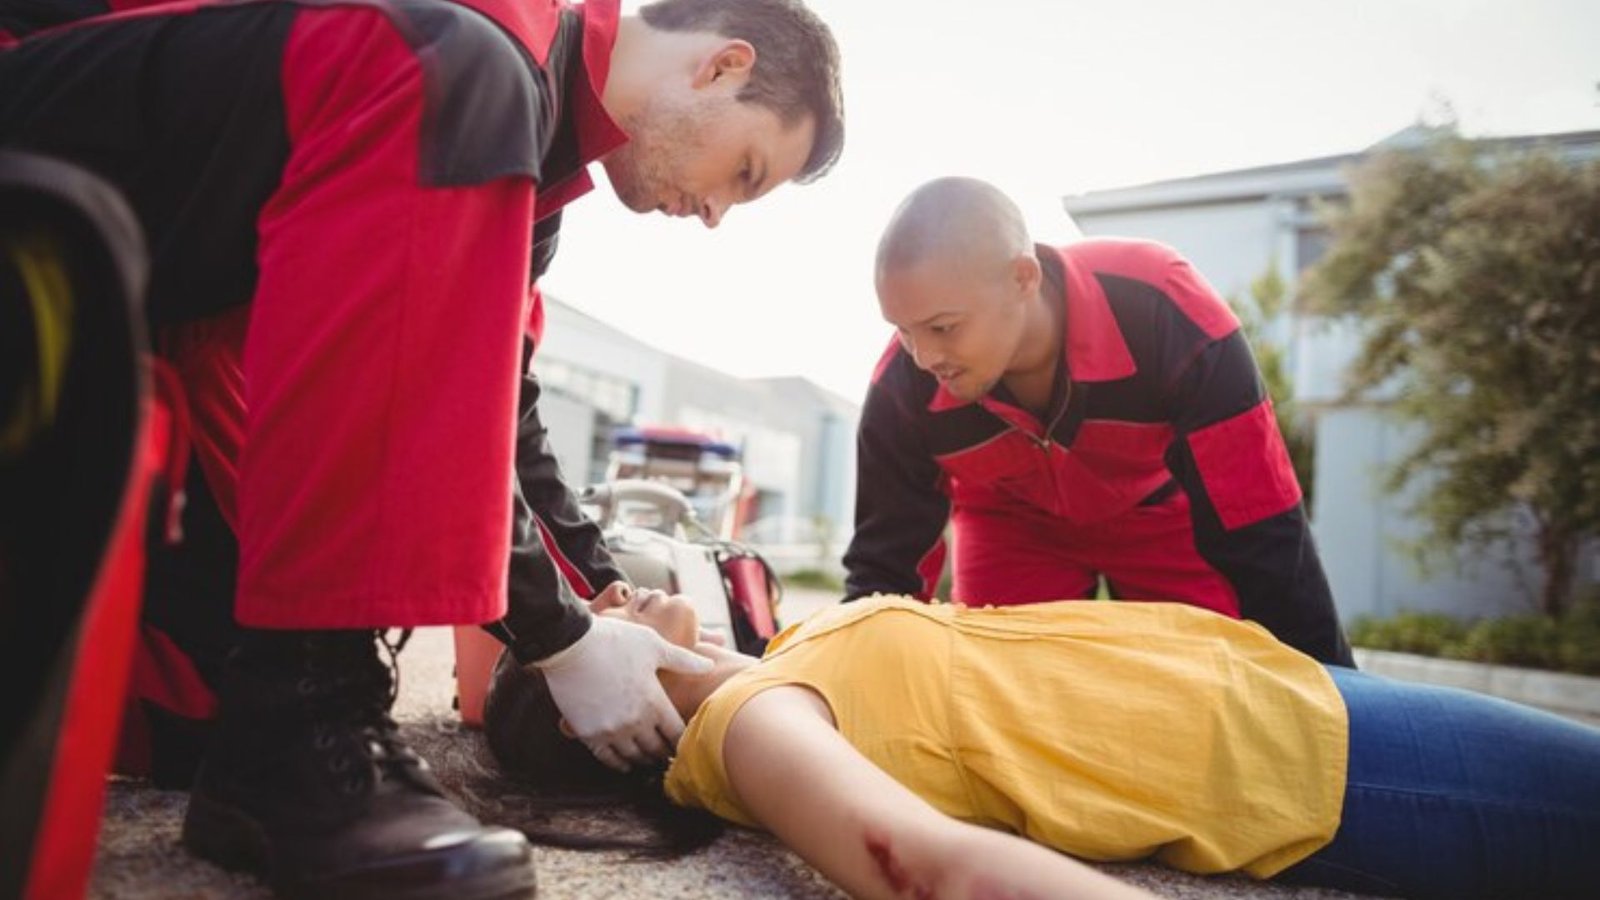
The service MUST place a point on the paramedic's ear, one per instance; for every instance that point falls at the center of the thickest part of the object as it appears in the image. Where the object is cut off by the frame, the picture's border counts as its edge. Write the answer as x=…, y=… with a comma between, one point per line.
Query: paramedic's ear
x=1026, y=274
x=732, y=61
x=565, y=729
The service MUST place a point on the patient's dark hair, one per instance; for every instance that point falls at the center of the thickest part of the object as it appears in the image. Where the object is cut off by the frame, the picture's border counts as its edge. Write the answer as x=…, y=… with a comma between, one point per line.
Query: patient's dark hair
x=561, y=776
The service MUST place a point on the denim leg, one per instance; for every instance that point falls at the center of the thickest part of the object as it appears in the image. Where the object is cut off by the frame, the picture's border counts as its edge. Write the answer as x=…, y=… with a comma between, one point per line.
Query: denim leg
x=1452, y=794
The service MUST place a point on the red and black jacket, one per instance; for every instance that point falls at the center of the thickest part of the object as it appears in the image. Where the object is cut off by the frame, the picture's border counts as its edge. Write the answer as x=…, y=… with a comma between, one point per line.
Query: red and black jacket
x=1164, y=395
x=181, y=105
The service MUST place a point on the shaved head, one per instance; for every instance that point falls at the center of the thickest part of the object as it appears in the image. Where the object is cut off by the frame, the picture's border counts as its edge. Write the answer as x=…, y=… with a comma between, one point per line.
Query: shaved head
x=958, y=279
x=962, y=221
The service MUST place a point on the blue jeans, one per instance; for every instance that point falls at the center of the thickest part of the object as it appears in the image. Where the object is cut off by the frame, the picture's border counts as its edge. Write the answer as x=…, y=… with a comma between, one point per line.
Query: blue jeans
x=1457, y=795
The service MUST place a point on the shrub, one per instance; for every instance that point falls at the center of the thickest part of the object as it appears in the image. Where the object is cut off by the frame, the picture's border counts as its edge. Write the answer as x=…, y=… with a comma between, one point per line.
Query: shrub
x=814, y=578
x=1570, y=643
x=1530, y=641
x=1427, y=634
x=1579, y=650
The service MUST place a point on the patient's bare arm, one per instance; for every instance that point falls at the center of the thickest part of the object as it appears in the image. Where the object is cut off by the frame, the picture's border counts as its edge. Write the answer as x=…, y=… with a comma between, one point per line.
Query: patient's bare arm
x=865, y=831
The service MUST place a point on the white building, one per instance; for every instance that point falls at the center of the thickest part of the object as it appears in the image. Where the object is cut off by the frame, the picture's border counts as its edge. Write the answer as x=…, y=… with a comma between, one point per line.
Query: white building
x=1235, y=225
x=797, y=440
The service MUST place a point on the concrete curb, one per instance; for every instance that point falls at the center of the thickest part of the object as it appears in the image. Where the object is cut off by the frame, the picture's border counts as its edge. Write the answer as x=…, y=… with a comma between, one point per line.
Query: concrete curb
x=1556, y=691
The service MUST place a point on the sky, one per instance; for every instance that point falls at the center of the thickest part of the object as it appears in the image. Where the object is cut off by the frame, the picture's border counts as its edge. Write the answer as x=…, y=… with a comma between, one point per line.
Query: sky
x=1047, y=98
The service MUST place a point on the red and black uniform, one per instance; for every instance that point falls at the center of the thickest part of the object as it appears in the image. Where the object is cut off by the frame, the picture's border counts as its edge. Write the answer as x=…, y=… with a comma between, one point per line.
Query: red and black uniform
x=82, y=438
x=1159, y=465
x=347, y=203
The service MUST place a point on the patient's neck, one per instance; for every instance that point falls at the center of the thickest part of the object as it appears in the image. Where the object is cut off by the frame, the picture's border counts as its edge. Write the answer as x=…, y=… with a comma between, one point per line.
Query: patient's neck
x=688, y=692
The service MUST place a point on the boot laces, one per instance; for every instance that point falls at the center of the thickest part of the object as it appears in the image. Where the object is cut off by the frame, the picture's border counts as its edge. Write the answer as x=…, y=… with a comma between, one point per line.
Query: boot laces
x=356, y=706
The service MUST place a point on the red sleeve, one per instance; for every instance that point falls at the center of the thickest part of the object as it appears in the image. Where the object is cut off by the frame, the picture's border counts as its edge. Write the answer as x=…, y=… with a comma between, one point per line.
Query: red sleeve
x=1245, y=466
x=382, y=358
x=1245, y=501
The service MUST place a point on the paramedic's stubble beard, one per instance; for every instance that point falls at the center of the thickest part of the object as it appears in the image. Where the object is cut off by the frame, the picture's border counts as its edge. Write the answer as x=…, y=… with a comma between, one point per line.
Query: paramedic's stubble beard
x=646, y=172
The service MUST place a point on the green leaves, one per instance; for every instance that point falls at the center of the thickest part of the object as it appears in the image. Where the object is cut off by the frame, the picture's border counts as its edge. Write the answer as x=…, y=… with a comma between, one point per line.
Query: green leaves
x=1477, y=278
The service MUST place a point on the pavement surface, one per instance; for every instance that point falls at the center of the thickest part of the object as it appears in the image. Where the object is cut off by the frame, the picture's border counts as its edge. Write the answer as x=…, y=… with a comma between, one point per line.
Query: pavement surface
x=139, y=855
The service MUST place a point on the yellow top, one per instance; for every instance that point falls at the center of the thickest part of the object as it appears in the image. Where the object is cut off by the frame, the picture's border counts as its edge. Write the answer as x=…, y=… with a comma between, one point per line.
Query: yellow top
x=1106, y=730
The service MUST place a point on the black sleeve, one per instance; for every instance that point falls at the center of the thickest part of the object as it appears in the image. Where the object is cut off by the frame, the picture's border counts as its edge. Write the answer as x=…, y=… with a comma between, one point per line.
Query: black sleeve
x=20, y=18
x=900, y=511
x=574, y=535
x=1249, y=523
x=544, y=615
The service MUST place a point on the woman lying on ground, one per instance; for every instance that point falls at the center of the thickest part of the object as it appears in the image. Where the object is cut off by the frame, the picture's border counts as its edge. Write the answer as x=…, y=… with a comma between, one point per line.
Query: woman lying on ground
x=877, y=737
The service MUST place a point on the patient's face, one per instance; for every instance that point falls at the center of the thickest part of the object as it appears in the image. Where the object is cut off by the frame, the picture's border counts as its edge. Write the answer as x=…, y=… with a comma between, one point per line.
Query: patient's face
x=670, y=615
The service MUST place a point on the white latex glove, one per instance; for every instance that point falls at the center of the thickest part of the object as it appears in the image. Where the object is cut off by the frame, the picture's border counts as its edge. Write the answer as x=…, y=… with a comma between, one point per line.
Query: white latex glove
x=606, y=688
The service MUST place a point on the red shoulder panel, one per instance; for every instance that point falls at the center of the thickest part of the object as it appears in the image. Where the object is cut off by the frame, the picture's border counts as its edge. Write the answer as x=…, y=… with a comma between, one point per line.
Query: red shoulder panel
x=1245, y=467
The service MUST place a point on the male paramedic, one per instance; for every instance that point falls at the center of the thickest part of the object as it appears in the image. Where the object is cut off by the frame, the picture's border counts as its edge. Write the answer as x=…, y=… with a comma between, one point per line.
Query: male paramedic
x=1072, y=413
x=347, y=202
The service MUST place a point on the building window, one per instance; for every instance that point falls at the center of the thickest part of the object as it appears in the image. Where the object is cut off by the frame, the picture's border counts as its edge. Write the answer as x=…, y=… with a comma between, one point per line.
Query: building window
x=1311, y=236
x=1311, y=242
x=616, y=397
x=605, y=428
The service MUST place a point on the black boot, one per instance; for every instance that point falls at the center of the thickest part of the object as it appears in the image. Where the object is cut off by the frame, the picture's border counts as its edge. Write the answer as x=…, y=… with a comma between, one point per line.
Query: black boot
x=308, y=784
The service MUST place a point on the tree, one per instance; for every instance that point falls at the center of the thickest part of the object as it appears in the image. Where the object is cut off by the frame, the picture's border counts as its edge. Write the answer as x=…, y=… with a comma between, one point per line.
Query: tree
x=1476, y=277
x=1268, y=295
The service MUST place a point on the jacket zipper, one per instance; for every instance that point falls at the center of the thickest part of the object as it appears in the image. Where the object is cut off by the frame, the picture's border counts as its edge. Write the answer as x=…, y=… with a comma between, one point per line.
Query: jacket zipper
x=1066, y=401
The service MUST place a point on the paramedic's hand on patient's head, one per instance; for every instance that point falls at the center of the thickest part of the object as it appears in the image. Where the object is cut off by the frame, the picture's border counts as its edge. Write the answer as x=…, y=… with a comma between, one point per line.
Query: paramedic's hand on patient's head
x=606, y=688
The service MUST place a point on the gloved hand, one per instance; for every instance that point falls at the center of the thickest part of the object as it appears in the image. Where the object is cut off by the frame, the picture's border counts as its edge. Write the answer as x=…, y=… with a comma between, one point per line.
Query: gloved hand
x=606, y=688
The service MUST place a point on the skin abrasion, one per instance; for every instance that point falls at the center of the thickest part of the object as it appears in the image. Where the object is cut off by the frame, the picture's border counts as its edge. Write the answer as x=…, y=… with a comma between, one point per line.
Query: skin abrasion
x=904, y=884
x=882, y=853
